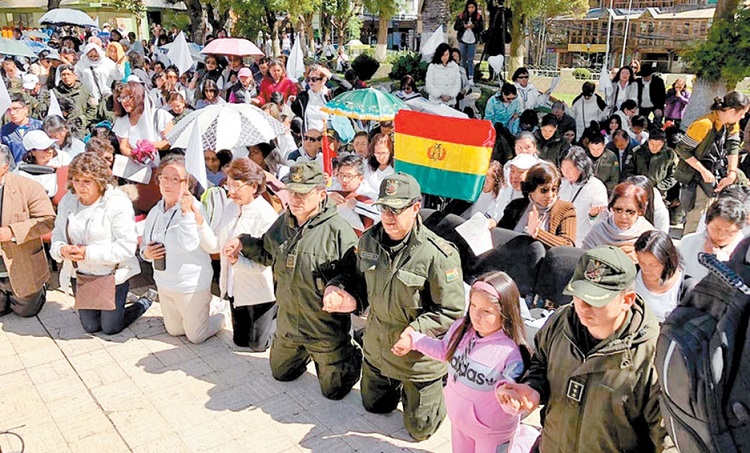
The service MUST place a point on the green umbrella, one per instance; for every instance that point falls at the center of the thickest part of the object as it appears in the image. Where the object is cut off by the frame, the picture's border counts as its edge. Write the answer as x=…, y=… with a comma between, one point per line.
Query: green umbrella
x=365, y=104
x=15, y=48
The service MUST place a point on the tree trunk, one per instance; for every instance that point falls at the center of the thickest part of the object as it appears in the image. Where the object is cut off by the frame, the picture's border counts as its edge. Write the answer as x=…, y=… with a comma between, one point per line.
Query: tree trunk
x=216, y=17
x=436, y=13
x=704, y=91
x=52, y=4
x=518, y=44
x=701, y=99
x=195, y=13
x=381, y=49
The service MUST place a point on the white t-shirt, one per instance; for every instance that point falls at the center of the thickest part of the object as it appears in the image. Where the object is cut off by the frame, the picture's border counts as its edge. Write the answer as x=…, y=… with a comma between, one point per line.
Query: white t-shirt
x=661, y=305
x=374, y=178
x=142, y=129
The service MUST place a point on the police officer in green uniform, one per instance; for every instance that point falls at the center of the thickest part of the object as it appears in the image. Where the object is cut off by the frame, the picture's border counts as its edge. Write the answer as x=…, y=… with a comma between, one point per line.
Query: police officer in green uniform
x=412, y=281
x=304, y=247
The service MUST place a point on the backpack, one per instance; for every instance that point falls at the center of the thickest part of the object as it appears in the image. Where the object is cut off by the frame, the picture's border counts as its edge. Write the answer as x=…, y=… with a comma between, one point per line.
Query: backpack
x=703, y=361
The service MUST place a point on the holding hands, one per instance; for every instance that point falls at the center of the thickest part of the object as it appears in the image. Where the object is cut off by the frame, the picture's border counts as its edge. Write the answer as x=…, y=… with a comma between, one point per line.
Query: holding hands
x=517, y=397
x=404, y=344
x=337, y=300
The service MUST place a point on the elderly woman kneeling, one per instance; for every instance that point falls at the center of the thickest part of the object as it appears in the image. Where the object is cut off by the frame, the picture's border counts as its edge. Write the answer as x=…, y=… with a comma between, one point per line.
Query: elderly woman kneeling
x=182, y=268
x=95, y=230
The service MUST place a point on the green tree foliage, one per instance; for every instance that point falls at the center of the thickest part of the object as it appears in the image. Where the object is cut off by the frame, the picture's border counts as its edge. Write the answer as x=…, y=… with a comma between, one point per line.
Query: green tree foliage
x=725, y=55
x=409, y=63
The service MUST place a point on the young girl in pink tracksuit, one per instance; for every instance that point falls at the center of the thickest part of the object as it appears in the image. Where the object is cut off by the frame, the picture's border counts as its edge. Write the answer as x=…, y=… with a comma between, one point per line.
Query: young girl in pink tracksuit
x=483, y=350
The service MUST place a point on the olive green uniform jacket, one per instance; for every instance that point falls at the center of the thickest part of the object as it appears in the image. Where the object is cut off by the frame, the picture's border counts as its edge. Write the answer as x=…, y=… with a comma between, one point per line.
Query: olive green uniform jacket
x=303, y=260
x=659, y=167
x=83, y=113
x=607, y=168
x=615, y=385
x=420, y=286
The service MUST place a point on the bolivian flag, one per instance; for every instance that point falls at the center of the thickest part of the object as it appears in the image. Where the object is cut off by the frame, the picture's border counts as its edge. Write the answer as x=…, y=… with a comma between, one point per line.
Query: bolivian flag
x=448, y=156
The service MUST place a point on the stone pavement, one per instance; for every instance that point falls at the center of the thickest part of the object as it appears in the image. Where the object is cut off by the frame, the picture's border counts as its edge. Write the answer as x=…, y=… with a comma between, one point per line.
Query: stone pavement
x=64, y=390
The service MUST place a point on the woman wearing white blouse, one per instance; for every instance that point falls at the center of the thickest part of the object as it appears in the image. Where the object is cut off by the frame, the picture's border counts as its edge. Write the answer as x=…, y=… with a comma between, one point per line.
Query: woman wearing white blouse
x=247, y=285
x=580, y=187
x=182, y=267
x=95, y=228
x=380, y=160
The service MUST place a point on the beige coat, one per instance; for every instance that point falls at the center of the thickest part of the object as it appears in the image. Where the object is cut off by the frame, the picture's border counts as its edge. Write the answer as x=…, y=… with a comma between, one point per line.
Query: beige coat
x=28, y=211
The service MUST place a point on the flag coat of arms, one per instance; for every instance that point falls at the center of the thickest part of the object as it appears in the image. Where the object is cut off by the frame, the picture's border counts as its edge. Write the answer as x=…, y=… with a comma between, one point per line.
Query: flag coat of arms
x=449, y=157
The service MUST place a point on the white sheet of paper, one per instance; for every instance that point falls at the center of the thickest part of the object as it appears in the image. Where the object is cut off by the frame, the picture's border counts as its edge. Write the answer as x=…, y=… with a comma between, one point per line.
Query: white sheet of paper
x=350, y=216
x=124, y=167
x=476, y=233
x=367, y=210
x=554, y=83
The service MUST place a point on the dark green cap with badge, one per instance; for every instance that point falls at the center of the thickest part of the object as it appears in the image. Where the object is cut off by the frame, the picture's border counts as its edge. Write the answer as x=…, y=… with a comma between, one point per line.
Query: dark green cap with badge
x=304, y=177
x=601, y=274
x=398, y=190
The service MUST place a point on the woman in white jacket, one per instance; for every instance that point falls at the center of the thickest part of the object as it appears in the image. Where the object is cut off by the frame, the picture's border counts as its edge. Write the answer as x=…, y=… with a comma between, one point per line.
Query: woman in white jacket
x=182, y=268
x=587, y=107
x=443, y=82
x=580, y=187
x=247, y=285
x=95, y=228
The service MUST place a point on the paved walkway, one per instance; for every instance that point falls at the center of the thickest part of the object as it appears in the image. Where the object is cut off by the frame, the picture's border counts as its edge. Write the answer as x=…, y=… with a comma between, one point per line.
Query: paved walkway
x=63, y=390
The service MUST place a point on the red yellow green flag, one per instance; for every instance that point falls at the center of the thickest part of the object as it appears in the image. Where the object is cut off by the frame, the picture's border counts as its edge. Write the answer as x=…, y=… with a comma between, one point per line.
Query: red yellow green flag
x=448, y=156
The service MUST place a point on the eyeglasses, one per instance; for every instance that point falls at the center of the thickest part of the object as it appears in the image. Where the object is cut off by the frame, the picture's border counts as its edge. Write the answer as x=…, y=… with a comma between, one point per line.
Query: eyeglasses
x=210, y=91
x=313, y=139
x=348, y=176
x=125, y=98
x=314, y=79
x=522, y=77
x=546, y=190
x=16, y=108
x=627, y=212
x=393, y=211
x=234, y=188
x=171, y=181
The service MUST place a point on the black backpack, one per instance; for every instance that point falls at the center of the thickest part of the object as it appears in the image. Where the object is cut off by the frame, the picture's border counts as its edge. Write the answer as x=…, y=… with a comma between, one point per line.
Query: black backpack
x=703, y=361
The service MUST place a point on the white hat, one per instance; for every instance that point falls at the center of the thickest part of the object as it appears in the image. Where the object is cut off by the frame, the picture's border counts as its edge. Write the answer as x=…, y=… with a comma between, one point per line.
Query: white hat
x=30, y=81
x=37, y=140
x=524, y=161
x=133, y=78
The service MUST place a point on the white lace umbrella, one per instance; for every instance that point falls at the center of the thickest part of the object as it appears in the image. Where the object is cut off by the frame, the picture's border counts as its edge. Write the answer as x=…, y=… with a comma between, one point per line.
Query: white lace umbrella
x=67, y=16
x=227, y=126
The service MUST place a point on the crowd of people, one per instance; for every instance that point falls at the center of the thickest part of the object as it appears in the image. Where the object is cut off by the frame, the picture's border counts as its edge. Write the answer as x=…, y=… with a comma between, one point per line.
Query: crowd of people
x=297, y=252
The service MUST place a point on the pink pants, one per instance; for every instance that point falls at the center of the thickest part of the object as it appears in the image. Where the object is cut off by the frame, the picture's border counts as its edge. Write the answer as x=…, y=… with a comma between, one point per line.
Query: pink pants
x=467, y=442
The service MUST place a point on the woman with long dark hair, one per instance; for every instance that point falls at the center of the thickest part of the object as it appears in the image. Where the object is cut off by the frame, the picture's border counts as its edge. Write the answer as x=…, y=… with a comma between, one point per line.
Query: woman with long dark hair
x=708, y=143
x=443, y=82
x=624, y=88
x=469, y=25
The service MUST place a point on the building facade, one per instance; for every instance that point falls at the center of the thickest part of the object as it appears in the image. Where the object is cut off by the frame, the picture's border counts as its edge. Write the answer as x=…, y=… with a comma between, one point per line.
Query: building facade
x=652, y=31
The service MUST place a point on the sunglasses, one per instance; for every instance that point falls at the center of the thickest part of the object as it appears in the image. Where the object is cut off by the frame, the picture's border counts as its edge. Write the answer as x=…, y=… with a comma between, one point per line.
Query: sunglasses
x=546, y=190
x=522, y=77
x=314, y=79
x=313, y=139
x=393, y=211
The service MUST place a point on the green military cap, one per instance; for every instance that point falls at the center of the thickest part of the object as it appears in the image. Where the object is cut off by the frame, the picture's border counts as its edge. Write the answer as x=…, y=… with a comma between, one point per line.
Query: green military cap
x=304, y=177
x=600, y=275
x=398, y=190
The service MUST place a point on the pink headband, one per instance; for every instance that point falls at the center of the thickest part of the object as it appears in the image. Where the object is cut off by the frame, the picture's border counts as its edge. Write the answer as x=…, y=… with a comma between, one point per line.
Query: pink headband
x=486, y=287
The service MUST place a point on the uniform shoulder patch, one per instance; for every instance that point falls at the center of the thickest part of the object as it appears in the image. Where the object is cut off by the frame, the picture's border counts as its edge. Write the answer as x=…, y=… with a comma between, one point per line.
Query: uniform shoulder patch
x=444, y=246
x=452, y=275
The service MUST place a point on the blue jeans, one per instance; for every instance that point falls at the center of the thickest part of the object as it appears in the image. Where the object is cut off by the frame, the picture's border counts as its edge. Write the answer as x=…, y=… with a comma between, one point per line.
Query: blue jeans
x=111, y=322
x=467, y=58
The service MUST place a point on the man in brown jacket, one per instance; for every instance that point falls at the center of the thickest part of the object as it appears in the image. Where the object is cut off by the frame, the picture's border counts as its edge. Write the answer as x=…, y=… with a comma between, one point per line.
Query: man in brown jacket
x=26, y=214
